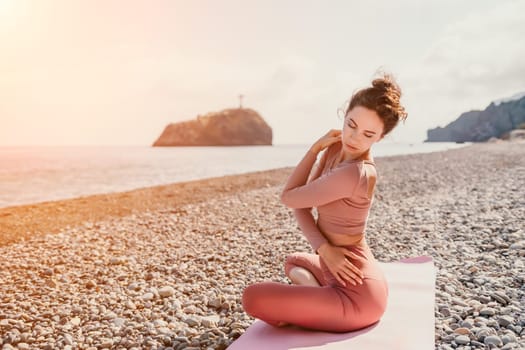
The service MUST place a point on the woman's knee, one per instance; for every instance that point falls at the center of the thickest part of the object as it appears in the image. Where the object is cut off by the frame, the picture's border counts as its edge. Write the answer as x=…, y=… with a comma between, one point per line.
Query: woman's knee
x=290, y=262
x=303, y=260
x=301, y=276
x=251, y=299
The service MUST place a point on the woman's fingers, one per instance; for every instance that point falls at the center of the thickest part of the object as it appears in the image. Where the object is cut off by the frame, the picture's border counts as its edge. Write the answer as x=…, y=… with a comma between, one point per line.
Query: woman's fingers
x=334, y=140
x=351, y=270
x=354, y=277
x=331, y=137
x=348, y=273
x=348, y=278
x=350, y=254
x=354, y=269
x=339, y=279
x=340, y=276
x=349, y=263
x=340, y=264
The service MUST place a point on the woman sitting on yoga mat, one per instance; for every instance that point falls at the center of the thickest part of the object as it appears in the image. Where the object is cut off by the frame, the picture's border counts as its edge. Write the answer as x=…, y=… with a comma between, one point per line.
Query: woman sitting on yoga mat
x=341, y=288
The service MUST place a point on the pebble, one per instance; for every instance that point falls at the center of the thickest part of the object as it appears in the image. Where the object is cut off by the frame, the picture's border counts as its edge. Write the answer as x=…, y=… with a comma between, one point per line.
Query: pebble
x=166, y=291
x=487, y=312
x=45, y=272
x=466, y=324
x=192, y=321
x=118, y=322
x=75, y=321
x=506, y=320
x=493, y=340
x=210, y=321
x=501, y=298
x=451, y=290
x=117, y=261
x=462, y=331
x=462, y=339
x=169, y=279
x=508, y=338
x=477, y=344
x=484, y=299
x=459, y=302
x=518, y=246
x=106, y=343
x=148, y=296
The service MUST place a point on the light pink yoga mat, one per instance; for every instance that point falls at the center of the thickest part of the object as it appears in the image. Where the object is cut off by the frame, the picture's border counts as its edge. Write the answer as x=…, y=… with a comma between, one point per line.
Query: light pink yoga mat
x=408, y=322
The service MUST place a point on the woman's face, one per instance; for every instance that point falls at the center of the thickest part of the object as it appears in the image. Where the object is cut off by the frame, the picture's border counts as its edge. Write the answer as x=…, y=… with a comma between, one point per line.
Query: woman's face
x=362, y=128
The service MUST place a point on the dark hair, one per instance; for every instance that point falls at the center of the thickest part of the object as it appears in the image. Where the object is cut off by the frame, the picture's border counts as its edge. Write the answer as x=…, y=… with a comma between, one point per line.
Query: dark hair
x=383, y=98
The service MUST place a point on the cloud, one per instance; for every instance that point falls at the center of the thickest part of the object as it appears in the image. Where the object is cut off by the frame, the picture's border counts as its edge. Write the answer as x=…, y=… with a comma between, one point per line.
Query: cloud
x=299, y=98
x=483, y=48
x=473, y=62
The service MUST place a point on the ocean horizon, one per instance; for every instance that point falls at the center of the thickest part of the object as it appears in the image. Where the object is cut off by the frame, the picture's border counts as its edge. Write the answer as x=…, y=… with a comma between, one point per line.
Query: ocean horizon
x=31, y=174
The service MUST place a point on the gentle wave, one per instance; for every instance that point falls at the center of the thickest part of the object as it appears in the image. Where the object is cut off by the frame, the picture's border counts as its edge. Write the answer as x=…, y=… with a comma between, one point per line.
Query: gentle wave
x=36, y=174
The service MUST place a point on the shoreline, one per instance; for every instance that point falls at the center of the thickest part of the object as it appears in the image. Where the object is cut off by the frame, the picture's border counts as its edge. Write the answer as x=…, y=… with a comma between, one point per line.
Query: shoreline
x=168, y=269
x=31, y=177
x=21, y=222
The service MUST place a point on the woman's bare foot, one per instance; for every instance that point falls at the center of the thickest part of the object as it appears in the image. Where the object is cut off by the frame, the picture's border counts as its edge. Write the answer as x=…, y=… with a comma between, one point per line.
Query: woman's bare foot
x=303, y=277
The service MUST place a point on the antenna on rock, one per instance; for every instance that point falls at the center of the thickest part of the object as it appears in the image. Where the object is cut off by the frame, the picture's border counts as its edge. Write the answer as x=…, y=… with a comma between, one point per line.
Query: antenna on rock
x=240, y=101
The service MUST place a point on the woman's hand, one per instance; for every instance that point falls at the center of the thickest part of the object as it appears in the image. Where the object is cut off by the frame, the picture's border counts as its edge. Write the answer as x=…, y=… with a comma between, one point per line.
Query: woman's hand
x=336, y=259
x=326, y=140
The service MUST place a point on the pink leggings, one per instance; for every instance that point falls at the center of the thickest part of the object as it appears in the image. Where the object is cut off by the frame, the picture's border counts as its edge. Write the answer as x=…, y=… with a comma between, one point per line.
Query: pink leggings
x=331, y=307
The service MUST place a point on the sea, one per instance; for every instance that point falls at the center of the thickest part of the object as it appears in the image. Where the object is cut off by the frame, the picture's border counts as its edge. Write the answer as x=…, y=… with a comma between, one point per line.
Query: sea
x=37, y=174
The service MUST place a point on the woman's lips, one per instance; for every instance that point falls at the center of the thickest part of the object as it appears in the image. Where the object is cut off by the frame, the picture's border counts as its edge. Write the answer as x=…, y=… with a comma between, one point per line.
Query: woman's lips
x=351, y=147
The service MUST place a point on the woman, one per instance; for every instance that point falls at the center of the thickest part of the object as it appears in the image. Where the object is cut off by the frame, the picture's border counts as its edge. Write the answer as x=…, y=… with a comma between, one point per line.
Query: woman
x=341, y=288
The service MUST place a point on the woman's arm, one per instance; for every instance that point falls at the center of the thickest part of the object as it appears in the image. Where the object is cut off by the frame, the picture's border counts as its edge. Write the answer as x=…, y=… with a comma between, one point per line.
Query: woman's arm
x=340, y=183
x=318, y=169
x=307, y=224
x=300, y=174
x=304, y=216
x=299, y=177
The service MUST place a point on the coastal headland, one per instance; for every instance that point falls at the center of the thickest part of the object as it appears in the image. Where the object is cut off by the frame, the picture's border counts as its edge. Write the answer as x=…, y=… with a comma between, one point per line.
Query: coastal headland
x=229, y=127
x=165, y=266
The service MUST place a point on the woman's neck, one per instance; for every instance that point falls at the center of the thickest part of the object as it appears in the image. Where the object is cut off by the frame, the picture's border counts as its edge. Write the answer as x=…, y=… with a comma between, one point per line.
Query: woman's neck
x=348, y=156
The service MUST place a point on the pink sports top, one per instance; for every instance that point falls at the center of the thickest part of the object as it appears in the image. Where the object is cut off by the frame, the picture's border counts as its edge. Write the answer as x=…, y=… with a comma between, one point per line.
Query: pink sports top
x=340, y=194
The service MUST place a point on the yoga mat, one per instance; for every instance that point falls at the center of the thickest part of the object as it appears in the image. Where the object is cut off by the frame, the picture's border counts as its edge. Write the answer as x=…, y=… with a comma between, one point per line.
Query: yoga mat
x=408, y=322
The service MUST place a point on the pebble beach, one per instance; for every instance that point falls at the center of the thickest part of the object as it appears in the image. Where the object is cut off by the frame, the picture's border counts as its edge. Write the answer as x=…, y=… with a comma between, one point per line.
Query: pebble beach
x=165, y=267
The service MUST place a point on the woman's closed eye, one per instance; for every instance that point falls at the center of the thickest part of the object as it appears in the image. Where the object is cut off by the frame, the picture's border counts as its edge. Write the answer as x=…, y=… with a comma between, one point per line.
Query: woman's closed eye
x=351, y=124
x=353, y=127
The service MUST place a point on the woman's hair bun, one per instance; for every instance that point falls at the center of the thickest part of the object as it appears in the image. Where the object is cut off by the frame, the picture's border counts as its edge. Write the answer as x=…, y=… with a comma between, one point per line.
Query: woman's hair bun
x=387, y=84
x=384, y=98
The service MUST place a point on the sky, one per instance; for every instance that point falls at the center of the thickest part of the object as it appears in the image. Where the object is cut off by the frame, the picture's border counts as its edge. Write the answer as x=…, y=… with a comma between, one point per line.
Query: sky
x=108, y=72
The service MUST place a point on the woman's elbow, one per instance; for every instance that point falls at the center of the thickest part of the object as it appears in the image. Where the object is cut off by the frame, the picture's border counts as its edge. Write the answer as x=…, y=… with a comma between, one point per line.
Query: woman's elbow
x=286, y=200
x=291, y=202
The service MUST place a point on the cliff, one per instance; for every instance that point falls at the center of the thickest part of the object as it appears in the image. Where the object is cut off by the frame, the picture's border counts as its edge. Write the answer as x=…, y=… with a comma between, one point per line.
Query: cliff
x=497, y=120
x=230, y=127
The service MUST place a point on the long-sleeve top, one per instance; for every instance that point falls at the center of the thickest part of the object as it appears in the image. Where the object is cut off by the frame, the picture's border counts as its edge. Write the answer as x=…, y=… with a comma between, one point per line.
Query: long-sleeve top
x=339, y=193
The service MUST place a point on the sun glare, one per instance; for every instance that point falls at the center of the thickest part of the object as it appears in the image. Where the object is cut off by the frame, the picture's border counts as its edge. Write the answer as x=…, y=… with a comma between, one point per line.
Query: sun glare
x=6, y=8
x=5, y=4
x=9, y=15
